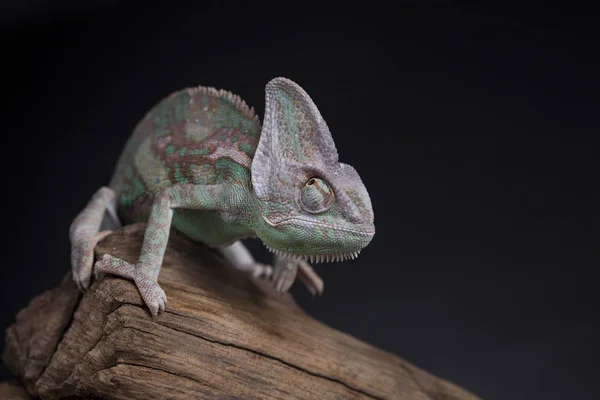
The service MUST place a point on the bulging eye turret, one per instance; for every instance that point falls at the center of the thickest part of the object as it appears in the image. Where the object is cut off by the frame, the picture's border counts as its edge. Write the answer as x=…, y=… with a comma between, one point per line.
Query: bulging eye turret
x=317, y=196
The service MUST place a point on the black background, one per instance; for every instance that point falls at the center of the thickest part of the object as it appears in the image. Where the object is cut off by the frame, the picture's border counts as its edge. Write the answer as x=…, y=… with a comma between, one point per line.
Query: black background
x=474, y=132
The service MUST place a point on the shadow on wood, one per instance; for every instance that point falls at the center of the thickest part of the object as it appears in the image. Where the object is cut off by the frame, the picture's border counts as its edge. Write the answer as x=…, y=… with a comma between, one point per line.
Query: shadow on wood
x=223, y=336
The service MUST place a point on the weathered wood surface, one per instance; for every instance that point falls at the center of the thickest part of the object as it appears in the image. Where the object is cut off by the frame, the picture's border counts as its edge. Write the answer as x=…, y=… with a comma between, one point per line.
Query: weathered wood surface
x=222, y=336
x=13, y=391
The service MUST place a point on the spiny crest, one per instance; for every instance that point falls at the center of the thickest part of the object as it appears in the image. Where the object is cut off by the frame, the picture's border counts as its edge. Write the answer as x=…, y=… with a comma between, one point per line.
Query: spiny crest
x=315, y=258
x=232, y=98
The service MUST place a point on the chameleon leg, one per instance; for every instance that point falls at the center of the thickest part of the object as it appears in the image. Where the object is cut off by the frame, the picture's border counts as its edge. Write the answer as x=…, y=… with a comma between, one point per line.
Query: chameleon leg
x=285, y=271
x=311, y=280
x=282, y=273
x=145, y=272
x=239, y=256
x=84, y=234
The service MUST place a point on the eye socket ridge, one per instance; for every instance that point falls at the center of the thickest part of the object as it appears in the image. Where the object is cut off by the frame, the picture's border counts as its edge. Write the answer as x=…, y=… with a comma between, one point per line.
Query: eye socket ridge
x=316, y=195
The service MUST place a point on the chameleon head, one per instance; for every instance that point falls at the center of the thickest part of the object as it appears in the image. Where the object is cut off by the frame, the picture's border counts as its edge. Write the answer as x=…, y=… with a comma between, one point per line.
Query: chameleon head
x=312, y=206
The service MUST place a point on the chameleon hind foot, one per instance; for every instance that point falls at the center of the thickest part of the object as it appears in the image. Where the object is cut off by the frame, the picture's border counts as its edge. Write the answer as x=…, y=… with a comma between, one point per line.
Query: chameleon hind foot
x=153, y=295
x=83, y=259
x=241, y=259
x=84, y=234
x=258, y=270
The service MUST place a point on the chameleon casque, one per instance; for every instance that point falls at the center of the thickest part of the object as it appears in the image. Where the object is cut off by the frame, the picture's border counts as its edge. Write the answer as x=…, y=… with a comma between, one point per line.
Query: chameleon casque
x=201, y=162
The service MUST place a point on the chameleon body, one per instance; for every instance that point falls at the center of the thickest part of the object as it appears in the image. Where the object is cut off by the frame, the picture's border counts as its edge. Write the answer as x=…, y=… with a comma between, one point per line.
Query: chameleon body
x=201, y=162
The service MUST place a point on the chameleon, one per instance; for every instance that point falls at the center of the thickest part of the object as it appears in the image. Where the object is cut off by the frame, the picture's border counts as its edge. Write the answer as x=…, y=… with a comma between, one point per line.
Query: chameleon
x=202, y=162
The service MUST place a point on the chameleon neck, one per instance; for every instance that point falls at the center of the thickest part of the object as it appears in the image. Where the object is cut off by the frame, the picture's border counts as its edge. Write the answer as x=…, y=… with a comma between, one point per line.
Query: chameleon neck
x=221, y=227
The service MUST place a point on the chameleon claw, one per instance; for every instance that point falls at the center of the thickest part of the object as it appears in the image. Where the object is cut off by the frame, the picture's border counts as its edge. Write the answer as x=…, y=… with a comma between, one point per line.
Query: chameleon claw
x=84, y=260
x=311, y=280
x=284, y=274
x=151, y=292
x=286, y=270
x=162, y=304
x=77, y=281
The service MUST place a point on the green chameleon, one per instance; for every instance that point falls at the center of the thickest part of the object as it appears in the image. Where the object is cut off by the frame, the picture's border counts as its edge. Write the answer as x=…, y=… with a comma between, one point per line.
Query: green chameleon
x=201, y=162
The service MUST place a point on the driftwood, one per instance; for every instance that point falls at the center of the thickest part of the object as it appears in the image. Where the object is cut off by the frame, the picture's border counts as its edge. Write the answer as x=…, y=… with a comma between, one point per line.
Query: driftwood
x=223, y=336
x=13, y=391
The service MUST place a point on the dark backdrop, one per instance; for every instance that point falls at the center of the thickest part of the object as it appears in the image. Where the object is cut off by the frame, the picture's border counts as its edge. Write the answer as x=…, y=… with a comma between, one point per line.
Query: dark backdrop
x=473, y=131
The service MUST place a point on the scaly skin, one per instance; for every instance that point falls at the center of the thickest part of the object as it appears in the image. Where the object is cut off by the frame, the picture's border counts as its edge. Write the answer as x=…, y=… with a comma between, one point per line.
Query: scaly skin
x=200, y=162
x=84, y=235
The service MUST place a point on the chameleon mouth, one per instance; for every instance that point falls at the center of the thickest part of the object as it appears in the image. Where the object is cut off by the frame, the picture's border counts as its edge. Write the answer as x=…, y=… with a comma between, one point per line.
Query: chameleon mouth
x=315, y=258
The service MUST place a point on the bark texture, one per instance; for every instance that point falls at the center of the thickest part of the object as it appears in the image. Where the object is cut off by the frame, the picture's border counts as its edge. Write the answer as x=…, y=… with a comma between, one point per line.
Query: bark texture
x=223, y=336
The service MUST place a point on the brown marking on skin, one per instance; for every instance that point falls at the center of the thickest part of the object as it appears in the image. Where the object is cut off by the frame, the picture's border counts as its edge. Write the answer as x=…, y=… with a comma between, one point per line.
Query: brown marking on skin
x=212, y=143
x=174, y=135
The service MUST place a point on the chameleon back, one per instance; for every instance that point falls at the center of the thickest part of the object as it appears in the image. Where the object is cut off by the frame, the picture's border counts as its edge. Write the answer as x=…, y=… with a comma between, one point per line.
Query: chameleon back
x=199, y=135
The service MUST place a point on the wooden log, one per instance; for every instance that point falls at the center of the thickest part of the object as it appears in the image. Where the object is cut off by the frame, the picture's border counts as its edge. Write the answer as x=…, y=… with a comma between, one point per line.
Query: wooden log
x=13, y=391
x=223, y=336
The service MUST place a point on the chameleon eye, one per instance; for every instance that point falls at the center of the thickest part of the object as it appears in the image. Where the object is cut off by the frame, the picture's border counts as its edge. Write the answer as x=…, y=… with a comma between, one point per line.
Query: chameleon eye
x=316, y=195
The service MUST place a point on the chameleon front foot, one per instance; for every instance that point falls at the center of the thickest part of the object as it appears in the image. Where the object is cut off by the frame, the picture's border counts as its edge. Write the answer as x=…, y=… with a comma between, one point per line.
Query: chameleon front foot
x=284, y=274
x=153, y=295
x=281, y=274
x=311, y=280
x=286, y=270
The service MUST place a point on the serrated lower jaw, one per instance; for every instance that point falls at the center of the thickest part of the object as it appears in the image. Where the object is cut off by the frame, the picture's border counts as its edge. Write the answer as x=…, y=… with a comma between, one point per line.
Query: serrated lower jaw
x=315, y=258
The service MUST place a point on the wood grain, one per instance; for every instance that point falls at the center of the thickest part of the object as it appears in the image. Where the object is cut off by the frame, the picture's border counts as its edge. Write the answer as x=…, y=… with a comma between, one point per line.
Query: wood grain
x=223, y=336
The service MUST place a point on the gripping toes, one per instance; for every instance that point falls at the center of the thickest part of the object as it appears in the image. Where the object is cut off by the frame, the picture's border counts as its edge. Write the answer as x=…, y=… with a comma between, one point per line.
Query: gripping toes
x=312, y=281
x=284, y=274
x=286, y=270
x=82, y=259
x=115, y=266
x=153, y=295
x=84, y=234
